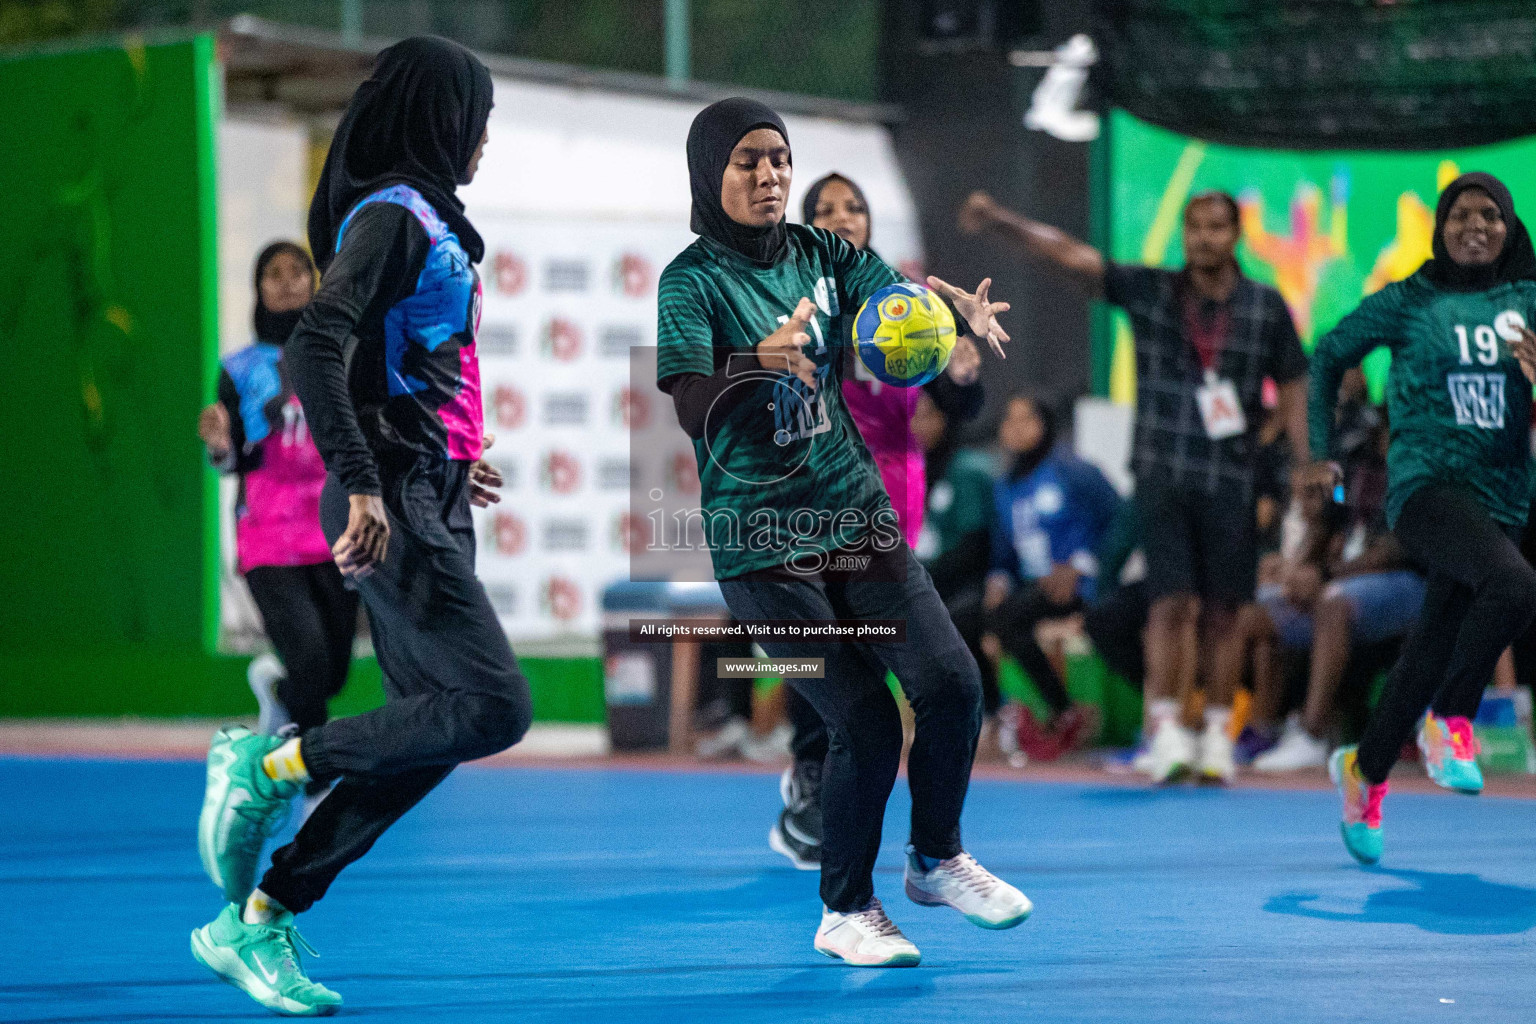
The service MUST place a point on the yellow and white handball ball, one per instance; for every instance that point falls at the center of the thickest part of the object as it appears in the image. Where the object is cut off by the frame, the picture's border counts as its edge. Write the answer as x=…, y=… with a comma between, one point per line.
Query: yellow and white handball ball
x=904, y=334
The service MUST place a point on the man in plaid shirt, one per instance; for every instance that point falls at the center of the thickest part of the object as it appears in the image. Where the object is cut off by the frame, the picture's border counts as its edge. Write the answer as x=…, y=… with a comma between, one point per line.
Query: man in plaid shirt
x=1206, y=338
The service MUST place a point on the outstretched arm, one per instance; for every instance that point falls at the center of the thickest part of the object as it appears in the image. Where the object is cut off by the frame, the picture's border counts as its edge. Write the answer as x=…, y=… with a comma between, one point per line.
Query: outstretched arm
x=1375, y=322
x=983, y=213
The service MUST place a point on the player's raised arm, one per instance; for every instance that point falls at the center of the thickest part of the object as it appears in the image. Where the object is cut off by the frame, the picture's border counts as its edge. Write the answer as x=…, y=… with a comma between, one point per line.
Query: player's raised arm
x=981, y=213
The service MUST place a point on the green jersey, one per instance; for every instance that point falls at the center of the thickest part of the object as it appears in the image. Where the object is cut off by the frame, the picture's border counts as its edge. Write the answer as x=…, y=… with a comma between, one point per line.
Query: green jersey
x=1459, y=405
x=959, y=504
x=782, y=469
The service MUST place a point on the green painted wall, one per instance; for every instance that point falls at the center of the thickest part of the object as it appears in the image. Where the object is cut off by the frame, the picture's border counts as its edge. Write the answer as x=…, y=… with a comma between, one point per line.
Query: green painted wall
x=107, y=308
x=159, y=683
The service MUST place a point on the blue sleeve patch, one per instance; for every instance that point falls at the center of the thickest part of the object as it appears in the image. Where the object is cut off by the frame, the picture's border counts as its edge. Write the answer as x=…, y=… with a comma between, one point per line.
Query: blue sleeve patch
x=257, y=381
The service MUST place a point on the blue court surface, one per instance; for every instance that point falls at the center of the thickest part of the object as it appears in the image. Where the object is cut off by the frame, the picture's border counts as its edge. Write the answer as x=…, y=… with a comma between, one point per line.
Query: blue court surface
x=531, y=894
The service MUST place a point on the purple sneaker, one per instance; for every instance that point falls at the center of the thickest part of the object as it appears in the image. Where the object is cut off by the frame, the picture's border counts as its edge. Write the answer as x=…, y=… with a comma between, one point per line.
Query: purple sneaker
x=1254, y=741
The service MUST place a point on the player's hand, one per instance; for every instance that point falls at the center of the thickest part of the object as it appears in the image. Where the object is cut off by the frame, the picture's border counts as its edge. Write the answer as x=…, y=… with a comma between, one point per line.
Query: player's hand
x=1524, y=349
x=976, y=213
x=1325, y=474
x=366, y=539
x=780, y=351
x=484, y=479
x=979, y=310
x=964, y=362
x=213, y=428
x=996, y=591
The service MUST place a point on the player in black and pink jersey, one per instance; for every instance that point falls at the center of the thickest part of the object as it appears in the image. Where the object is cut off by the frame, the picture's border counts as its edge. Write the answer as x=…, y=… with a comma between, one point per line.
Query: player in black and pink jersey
x=384, y=363
x=257, y=430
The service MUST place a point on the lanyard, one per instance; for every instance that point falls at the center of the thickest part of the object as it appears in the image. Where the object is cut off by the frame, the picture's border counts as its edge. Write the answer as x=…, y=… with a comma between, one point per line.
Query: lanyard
x=1207, y=337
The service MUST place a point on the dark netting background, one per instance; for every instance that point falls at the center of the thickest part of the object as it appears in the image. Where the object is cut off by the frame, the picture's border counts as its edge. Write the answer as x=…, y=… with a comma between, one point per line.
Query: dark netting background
x=1409, y=74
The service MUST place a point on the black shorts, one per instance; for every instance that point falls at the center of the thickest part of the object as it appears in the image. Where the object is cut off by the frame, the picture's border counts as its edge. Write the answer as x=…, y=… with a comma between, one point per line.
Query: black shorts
x=1198, y=543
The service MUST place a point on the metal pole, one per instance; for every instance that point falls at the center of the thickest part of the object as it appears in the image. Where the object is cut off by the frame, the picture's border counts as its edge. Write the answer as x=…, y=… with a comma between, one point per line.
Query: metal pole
x=351, y=21
x=679, y=35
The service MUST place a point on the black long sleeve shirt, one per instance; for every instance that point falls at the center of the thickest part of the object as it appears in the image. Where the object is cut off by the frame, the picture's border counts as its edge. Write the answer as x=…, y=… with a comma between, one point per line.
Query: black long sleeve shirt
x=336, y=356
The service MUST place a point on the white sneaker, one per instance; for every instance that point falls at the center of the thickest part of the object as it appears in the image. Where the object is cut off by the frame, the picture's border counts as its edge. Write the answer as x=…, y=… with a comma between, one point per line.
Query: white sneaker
x=865, y=938
x=769, y=748
x=960, y=882
x=264, y=673
x=1218, y=757
x=1171, y=754
x=724, y=742
x=1297, y=749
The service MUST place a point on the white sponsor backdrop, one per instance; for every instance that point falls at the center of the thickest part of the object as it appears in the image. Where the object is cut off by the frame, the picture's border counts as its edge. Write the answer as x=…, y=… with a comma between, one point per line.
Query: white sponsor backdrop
x=262, y=169
x=583, y=199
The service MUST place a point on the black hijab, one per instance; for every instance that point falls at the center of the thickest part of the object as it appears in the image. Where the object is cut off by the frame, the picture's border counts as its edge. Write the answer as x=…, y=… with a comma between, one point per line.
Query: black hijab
x=275, y=328
x=813, y=196
x=1516, y=261
x=1026, y=463
x=416, y=121
x=714, y=133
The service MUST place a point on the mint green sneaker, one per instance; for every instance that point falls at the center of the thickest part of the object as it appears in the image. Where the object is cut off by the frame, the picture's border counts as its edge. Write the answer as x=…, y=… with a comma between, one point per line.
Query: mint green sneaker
x=262, y=960
x=242, y=809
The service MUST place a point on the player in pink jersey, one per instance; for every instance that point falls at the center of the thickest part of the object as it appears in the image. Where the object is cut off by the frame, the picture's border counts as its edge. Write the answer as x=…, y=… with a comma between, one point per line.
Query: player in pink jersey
x=883, y=415
x=257, y=429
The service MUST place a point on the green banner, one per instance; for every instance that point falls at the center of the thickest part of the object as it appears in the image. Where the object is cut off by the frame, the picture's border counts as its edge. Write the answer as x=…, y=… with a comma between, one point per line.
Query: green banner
x=1325, y=228
x=107, y=322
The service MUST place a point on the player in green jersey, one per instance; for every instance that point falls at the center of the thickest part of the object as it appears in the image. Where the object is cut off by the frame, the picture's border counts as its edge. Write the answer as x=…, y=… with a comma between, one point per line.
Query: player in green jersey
x=1458, y=482
x=801, y=530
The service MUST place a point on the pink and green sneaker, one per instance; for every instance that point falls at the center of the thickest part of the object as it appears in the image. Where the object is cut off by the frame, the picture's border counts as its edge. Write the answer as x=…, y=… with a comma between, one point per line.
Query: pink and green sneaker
x=1361, y=826
x=1450, y=751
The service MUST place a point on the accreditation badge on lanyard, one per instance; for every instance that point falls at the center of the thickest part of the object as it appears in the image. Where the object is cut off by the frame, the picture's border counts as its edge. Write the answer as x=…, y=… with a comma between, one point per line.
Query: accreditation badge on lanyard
x=1220, y=410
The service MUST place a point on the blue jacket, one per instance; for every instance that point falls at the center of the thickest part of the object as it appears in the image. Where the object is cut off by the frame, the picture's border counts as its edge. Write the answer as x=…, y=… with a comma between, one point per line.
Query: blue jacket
x=1058, y=513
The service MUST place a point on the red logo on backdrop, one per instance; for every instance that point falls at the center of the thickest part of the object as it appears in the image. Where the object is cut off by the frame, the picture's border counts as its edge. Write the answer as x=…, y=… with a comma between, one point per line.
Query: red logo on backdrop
x=629, y=534
x=562, y=598
x=632, y=409
x=562, y=339
x=562, y=472
x=510, y=532
x=511, y=406
x=509, y=272
x=685, y=472
x=632, y=275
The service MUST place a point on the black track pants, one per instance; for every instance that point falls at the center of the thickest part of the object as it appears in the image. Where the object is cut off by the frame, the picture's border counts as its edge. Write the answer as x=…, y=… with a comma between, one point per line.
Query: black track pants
x=311, y=618
x=1480, y=595
x=455, y=692
x=939, y=678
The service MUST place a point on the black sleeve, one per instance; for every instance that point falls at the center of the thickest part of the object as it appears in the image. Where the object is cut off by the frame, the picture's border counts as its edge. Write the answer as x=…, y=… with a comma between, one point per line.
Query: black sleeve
x=237, y=459
x=1126, y=284
x=964, y=564
x=1287, y=361
x=381, y=257
x=694, y=394
x=959, y=404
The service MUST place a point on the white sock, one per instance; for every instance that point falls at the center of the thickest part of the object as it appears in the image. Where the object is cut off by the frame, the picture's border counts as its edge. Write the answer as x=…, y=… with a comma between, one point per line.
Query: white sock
x=260, y=908
x=1218, y=718
x=1164, y=709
